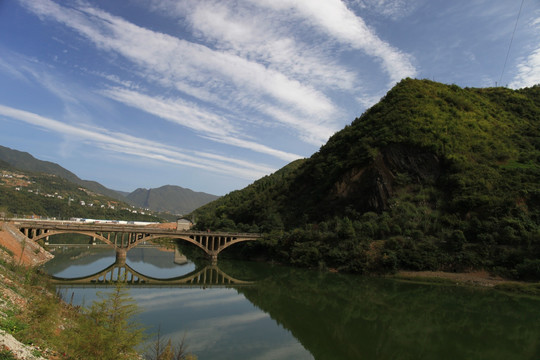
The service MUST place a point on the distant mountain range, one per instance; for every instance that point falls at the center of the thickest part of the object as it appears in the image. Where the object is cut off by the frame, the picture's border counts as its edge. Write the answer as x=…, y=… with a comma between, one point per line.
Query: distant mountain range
x=168, y=198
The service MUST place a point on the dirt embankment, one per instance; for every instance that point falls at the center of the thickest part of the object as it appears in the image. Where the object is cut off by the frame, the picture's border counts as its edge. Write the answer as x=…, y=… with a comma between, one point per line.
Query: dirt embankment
x=16, y=247
x=168, y=226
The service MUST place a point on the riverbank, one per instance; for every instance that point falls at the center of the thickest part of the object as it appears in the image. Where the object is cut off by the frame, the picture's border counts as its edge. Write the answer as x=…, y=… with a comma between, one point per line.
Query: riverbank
x=475, y=278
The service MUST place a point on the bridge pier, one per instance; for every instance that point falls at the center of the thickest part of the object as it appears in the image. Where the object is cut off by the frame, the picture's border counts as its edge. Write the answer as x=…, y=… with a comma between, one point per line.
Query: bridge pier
x=121, y=255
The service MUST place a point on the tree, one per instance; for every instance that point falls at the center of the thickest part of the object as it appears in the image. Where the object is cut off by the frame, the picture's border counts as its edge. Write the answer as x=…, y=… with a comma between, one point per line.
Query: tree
x=165, y=350
x=107, y=330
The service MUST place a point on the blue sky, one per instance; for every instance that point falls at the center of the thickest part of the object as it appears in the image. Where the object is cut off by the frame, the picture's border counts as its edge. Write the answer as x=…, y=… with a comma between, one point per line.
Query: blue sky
x=212, y=95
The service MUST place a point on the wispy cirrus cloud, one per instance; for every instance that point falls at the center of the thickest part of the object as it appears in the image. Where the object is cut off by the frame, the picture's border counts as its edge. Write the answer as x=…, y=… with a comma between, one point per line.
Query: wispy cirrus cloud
x=196, y=69
x=262, y=36
x=248, y=69
x=208, y=125
x=528, y=73
x=393, y=9
x=142, y=148
x=528, y=68
x=335, y=19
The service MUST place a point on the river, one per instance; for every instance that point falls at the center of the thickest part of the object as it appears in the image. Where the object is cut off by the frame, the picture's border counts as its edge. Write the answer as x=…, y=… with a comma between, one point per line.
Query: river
x=288, y=313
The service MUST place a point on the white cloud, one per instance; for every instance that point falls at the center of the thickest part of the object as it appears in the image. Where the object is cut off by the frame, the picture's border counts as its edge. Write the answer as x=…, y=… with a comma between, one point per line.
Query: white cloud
x=264, y=37
x=393, y=9
x=177, y=111
x=187, y=66
x=8, y=68
x=142, y=148
x=208, y=125
x=334, y=18
x=528, y=69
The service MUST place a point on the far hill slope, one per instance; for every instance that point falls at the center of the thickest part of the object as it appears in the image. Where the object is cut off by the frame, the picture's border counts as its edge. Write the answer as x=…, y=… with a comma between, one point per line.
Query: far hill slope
x=25, y=161
x=170, y=198
x=27, y=193
x=432, y=177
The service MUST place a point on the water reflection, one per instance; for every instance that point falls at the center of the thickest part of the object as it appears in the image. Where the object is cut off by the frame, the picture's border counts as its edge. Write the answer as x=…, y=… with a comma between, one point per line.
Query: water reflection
x=217, y=321
x=120, y=270
x=299, y=314
x=349, y=317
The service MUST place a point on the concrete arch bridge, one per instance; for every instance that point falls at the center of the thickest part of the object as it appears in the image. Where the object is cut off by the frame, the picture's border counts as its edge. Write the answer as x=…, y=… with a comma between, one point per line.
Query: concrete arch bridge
x=125, y=237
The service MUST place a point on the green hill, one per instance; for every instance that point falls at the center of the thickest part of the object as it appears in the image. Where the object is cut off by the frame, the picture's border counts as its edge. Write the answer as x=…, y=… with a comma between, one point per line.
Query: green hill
x=432, y=177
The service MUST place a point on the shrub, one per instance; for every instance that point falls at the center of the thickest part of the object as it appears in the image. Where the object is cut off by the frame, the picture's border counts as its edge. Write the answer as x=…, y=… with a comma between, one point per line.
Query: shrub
x=529, y=269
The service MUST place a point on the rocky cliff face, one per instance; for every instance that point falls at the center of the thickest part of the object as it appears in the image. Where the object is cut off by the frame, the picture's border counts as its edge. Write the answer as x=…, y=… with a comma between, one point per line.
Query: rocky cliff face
x=371, y=187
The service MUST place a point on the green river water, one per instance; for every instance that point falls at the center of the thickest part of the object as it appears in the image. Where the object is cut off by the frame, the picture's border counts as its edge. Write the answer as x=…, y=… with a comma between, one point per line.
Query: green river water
x=289, y=313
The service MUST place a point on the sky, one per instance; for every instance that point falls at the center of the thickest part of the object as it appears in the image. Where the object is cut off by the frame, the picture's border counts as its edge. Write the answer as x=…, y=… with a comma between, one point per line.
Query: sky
x=212, y=95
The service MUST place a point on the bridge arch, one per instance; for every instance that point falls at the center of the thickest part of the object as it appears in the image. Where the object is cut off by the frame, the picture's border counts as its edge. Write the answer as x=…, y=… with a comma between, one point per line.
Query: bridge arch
x=161, y=236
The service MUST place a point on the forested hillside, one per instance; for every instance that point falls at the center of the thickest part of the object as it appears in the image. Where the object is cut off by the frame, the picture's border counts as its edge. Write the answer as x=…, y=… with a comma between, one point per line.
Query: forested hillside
x=26, y=193
x=432, y=177
x=26, y=162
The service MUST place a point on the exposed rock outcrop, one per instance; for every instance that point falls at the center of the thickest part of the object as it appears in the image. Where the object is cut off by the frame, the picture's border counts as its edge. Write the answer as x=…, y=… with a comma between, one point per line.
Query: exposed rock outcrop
x=370, y=188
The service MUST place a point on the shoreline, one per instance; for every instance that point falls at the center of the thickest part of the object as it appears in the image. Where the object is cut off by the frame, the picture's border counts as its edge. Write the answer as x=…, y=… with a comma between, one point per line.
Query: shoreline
x=474, y=278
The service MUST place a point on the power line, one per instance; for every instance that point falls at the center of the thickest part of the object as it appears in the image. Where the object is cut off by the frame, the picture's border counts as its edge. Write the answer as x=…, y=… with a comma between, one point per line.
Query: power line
x=511, y=40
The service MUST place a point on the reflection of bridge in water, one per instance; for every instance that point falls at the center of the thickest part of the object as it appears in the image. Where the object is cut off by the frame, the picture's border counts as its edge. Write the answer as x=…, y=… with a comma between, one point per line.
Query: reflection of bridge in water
x=125, y=237
x=209, y=276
